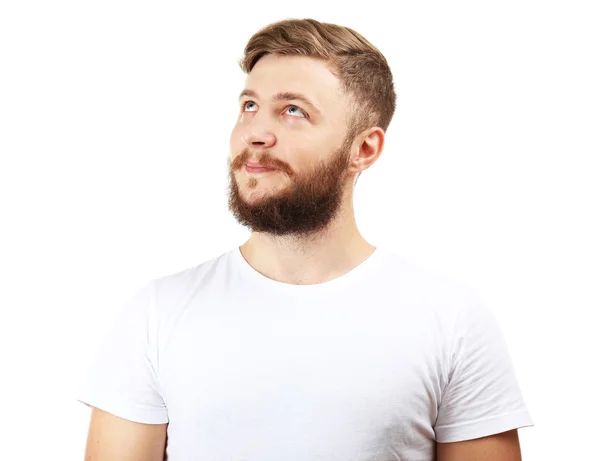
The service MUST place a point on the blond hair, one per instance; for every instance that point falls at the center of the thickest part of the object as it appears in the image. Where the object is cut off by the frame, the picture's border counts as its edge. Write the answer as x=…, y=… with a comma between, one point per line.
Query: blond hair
x=361, y=68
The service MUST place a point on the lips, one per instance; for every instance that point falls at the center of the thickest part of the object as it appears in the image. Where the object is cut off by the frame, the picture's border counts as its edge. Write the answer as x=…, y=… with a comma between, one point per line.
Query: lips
x=259, y=169
x=258, y=165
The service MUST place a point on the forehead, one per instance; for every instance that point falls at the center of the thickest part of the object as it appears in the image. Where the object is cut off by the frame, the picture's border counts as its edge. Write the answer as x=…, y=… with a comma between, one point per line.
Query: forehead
x=298, y=74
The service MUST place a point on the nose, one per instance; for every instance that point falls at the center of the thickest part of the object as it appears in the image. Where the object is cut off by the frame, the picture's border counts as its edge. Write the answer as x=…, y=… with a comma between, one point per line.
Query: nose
x=255, y=137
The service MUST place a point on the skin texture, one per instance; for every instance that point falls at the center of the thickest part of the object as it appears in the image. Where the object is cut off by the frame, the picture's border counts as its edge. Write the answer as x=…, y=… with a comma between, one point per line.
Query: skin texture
x=111, y=438
x=498, y=447
x=301, y=215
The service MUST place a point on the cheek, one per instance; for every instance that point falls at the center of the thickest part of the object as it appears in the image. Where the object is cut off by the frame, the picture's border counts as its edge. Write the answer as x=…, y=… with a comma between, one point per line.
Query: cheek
x=233, y=136
x=235, y=141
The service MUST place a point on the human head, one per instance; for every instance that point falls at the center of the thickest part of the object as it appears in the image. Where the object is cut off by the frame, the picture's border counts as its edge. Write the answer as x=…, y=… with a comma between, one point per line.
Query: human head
x=361, y=68
x=348, y=80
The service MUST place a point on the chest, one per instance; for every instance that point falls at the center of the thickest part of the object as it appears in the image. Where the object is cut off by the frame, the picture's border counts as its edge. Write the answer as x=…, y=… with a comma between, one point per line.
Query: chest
x=295, y=361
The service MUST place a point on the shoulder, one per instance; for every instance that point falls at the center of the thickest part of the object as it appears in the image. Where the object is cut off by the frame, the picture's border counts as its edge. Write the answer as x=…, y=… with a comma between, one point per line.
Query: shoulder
x=173, y=286
x=433, y=288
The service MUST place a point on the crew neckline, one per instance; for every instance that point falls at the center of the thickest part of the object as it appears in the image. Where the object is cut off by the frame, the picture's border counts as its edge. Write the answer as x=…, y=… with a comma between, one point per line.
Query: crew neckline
x=259, y=280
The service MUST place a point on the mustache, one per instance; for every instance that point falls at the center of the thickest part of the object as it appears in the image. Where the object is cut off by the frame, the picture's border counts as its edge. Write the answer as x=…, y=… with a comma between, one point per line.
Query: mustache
x=264, y=158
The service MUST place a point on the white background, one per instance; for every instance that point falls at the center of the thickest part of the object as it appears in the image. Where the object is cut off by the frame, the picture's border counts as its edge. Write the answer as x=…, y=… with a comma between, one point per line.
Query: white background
x=114, y=132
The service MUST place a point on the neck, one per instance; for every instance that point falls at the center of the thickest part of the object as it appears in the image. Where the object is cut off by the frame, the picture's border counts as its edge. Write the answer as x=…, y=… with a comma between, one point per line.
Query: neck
x=294, y=260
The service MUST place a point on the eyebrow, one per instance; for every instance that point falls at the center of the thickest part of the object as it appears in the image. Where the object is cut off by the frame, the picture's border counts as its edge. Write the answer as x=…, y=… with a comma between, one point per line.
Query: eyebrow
x=284, y=96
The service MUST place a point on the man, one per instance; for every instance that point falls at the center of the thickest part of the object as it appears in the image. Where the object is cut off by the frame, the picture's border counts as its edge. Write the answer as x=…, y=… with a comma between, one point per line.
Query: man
x=307, y=342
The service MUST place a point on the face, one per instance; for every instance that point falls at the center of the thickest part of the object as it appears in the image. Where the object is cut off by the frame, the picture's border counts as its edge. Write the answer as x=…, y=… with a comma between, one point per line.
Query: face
x=305, y=142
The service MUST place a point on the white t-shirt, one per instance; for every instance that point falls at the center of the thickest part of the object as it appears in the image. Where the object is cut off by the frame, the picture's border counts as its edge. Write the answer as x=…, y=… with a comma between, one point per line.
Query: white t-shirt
x=375, y=365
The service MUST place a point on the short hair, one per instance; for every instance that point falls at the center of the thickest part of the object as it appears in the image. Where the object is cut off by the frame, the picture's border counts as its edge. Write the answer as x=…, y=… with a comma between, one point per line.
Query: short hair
x=361, y=68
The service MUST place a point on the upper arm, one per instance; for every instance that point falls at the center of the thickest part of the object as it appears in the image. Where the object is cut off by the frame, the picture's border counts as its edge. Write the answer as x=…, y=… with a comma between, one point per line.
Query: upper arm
x=498, y=447
x=111, y=438
x=482, y=395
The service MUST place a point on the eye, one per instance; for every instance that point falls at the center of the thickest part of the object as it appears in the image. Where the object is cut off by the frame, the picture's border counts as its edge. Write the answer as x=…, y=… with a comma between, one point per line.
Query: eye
x=245, y=104
x=297, y=111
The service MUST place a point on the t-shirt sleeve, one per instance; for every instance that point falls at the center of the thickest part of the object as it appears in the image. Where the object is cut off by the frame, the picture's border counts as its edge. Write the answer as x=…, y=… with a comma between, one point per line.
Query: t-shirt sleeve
x=121, y=378
x=482, y=396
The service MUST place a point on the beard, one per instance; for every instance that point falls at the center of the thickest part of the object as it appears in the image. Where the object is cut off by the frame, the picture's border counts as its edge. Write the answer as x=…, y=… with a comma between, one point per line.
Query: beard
x=303, y=208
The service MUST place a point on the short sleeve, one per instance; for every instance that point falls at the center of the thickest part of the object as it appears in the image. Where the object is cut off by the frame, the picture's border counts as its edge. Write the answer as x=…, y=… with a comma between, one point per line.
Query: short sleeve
x=482, y=396
x=121, y=378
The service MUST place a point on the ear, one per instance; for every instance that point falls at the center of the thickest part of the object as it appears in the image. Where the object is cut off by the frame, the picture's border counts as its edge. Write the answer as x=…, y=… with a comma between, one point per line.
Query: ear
x=370, y=144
